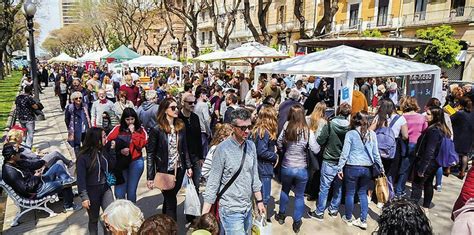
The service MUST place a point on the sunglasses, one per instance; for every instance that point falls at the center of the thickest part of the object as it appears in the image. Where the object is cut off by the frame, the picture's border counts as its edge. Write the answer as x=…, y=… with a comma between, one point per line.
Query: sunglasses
x=190, y=102
x=173, y=108
x=78, y=98
x=243, y=128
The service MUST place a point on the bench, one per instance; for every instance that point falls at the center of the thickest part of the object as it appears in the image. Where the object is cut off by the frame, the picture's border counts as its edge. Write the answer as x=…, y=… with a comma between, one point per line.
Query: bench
x=24, y=204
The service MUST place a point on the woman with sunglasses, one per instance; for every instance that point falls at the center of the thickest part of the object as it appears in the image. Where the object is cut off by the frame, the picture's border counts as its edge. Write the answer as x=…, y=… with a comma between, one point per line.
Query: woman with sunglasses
x=168, y=152
x=77, y=121
x=95, y=161
x=293, y=142
x=130, y=138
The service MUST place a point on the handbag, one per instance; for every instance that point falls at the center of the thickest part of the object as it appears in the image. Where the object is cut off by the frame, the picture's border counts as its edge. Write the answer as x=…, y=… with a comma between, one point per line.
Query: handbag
x=382, y=188
x=376, y=171
x=215, y=207
x=165, y=181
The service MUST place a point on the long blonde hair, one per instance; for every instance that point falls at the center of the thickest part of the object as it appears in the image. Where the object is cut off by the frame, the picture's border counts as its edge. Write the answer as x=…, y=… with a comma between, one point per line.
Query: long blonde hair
x=319, y=112
x=222, y=132
x=266, y=121
x=124, y=216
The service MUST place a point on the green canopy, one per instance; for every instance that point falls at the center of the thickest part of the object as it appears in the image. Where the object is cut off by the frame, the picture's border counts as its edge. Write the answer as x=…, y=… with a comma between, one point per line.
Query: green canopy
x=120, y=55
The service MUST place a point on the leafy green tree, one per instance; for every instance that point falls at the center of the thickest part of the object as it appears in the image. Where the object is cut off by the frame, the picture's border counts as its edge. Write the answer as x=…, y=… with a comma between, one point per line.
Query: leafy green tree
x=443, y=49
x=374, y=33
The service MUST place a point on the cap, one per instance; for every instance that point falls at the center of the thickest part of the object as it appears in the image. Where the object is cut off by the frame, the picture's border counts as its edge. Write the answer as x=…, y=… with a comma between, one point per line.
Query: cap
x=18, y=127
x=8, y=151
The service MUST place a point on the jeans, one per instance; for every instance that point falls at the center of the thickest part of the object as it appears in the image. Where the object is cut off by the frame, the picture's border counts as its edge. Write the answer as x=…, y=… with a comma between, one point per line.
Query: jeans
x=405, y=169
x=100, y=196
x=53, y=183
x=205, y=143
x=57, y=172
x=328, y=177
x=55, y=156
x=296, y=179
x=266, y=189
x=357, y=178
x=235, y=223
x=30, y=127
x=128, y=190
x=170, y=203
x=439, y=176
x=425, y=184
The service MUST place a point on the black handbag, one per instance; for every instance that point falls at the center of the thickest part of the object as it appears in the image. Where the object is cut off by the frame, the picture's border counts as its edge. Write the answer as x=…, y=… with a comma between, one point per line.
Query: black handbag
x=375, y=169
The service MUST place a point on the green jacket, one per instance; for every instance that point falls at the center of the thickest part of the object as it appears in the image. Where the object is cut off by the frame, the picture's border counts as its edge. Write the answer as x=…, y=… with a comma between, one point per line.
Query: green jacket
x=332, y=136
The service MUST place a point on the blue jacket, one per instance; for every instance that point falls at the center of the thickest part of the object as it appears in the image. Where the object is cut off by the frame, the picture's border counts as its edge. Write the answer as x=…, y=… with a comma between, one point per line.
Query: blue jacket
x=266, y=155
x=354, y=153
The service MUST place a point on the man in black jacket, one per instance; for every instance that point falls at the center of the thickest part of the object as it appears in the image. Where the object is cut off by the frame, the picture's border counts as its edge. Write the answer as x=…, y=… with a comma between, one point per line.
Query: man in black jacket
x=31, y=183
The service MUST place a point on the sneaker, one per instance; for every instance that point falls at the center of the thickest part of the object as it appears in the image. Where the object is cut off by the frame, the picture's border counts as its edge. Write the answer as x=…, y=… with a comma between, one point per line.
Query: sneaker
x=69, y=182
x=438, y=188
x=360, y=224
x=315, y=216
x=347, y=221
x=297, y=226
x=74, y=207
x=280, y=218
x=332, y=214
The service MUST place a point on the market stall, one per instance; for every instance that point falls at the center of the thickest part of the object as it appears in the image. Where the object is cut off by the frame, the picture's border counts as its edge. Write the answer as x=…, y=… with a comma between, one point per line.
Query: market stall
x=344, y=64
x=147, y=61
x=62, y=58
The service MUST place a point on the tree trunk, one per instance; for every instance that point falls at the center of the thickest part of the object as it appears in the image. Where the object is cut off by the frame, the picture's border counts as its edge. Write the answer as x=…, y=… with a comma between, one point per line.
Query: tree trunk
x=2, y=69
x=301, y=19
x=262, y=20
x=330, y=9
x=249, y=22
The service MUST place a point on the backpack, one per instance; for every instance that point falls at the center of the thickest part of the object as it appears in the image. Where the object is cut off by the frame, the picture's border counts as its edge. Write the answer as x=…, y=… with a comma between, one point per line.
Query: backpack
x=447, y=155
x=386, y=140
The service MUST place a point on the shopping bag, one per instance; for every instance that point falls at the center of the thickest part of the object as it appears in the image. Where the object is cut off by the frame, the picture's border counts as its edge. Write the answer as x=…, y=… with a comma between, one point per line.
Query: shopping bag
x=192, y=204
x=382, y=189
x=260, y=226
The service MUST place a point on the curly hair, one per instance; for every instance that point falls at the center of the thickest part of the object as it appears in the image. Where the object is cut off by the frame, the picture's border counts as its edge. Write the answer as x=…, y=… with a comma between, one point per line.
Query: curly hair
x=159, y=224
x=403, y=217
x=209, y=223
x=221, y=133
x=266, y=121
x=409, y=104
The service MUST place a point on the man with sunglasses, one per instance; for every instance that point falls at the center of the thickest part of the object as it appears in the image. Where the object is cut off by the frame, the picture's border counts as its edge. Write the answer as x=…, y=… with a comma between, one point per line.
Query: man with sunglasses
x=201, y=109
x=193, y=133
x=234, y=153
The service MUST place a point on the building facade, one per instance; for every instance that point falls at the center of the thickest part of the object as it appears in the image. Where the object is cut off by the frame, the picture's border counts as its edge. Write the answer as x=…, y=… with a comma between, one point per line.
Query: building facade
x=69, y=12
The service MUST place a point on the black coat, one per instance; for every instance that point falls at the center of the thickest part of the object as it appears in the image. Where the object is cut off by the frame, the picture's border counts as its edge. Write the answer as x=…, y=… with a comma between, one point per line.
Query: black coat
x=427, y=148
x=157, y=151
x=193, y=136
x=23, y=181
x=463, y=128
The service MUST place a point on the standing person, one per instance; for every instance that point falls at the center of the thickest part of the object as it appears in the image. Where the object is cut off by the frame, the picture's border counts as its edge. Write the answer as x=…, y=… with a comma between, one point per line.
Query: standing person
x=133, y=93
x=77, y=121
x=173, y=79
x=332, y=136
x=168, y=153
x=99, y=107
x=43, y=75
x=463, y=129
x=108, y=86
x=201, y=109
x=293, y=140
x=244, y=87
x=273, y=90
x=193, y=133
x=427, y=148
x=130, y=138
x=416, y=124
x=235, y=158
x=222, y=132
x=122, y=103
x=148, y=111
x=61, y=90
x=359, y=102
x=264, y=135
x=359, y=154
x=94, y=164
x=231, y=103
x=25, y=108
x=368, y=89
x=322, y=93
x=284, y=108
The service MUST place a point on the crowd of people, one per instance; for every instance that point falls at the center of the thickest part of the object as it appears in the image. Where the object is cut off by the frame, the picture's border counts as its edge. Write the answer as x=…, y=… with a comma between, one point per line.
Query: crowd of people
x=219, y=132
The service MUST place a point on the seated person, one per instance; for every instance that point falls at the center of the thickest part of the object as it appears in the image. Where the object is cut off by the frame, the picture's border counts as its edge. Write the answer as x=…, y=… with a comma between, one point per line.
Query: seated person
x=15, y=136
x=32, y=184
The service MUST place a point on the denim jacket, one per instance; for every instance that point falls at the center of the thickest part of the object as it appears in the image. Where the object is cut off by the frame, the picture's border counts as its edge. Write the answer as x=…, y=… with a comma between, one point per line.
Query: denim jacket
x=354, y=153
x=266, y=154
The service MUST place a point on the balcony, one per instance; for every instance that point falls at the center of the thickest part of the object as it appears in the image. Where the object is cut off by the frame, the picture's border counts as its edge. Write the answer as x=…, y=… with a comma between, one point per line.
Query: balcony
x=351, y=25
x=448, y=16
x=205, y=24
x=380, y=22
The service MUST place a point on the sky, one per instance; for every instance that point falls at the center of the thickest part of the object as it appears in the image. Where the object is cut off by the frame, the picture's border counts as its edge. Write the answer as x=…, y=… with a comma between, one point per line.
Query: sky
x=48, y=18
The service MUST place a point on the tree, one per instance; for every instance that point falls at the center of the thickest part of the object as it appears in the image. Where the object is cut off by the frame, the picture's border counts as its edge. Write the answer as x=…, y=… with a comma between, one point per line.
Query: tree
x=374, y=33
x=74, y=40
x=262, y=10
x=443, y=48
x=8, y=10
x=325, y=24
x=223, y=16
x=299, y=15
x=188, y=12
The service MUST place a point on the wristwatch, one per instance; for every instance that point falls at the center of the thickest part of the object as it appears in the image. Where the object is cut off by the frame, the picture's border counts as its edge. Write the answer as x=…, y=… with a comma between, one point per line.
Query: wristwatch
x=259, y=201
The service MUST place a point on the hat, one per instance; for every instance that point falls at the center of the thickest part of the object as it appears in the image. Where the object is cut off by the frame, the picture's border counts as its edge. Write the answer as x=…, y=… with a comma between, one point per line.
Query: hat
x=381, y=88
x=8, y=151
x=18, y=127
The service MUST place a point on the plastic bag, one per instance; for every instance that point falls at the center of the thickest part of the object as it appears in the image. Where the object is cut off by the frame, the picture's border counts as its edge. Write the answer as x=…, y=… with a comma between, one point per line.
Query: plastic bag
x=260, y=226
x=192, y=204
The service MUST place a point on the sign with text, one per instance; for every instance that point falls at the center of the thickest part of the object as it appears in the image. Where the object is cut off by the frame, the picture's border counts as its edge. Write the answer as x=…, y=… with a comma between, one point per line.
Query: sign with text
x=420, y=86
x=90, y=65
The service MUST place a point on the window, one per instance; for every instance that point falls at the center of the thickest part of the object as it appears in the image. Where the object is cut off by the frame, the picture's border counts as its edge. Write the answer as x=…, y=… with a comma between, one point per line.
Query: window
x=203, y=37
x=382, y=15
x=420, y=9
x=203, y=15
x=210, y=37
x=457, y=7
x=281, y=15
x=354, y=15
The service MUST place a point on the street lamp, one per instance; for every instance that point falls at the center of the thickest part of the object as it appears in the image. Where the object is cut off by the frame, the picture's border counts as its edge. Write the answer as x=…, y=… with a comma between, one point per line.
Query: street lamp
x=29, y=9
x=174, y=43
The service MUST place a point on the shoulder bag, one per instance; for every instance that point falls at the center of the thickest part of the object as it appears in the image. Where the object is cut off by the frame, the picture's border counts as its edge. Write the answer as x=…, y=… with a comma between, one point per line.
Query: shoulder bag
x=165, y=181
x=215, y=207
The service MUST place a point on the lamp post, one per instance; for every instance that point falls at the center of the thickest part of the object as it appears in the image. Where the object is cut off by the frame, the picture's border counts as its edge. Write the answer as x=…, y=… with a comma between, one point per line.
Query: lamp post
x=174, y=43
x=29, y=10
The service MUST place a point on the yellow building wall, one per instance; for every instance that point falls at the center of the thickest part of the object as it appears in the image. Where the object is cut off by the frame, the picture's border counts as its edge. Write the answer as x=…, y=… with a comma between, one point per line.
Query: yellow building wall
x=396, y=4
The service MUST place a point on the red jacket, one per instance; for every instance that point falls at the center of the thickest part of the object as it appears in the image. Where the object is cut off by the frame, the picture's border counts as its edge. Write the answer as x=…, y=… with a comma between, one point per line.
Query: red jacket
x=467, y=191
x=133, y=93
x=138, y=141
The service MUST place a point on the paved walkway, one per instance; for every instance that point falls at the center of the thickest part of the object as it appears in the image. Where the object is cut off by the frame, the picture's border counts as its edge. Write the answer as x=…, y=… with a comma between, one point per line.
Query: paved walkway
x=51, y=133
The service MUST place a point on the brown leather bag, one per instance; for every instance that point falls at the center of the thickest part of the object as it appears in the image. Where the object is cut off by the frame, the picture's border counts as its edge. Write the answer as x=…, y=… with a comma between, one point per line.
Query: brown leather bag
x=165, y=181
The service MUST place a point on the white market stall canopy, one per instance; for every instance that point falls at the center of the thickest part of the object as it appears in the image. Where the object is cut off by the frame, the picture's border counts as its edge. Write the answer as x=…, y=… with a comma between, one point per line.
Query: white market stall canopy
x=93, y=56
x=152, y=61
x=252, y=51
x=62, y=58
x=346, y=63
x=209, y=57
